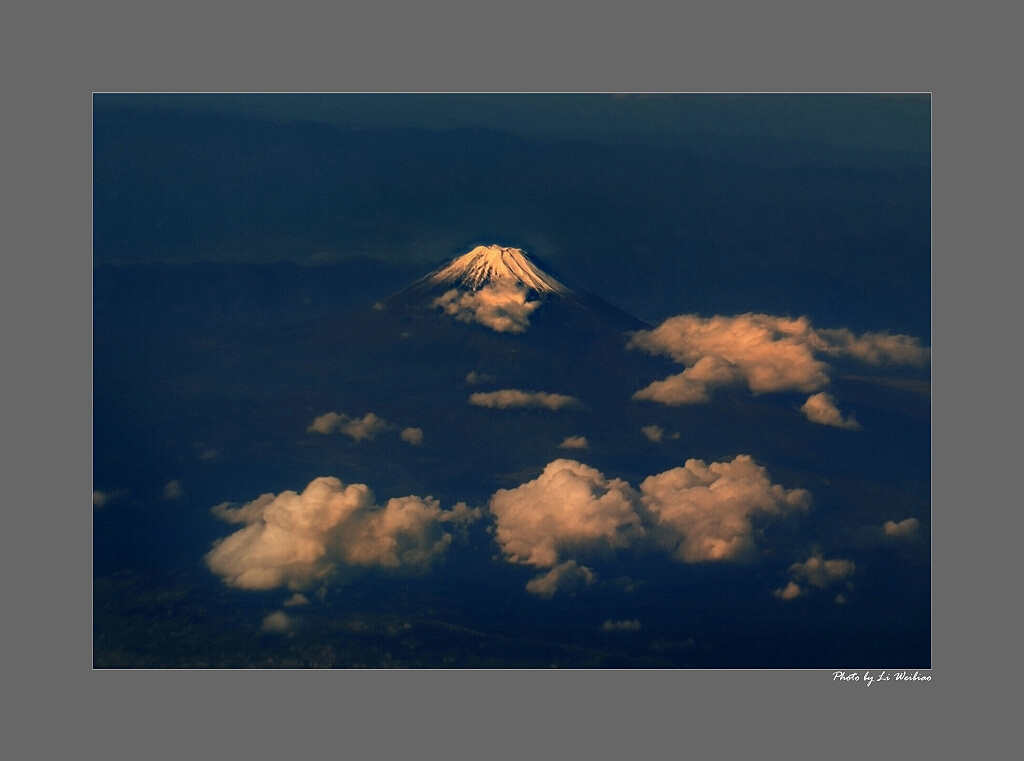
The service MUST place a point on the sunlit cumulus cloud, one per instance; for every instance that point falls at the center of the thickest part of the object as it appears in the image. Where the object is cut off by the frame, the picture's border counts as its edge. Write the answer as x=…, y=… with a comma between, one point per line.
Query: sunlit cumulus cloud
x=366, y=427
x=703, y=512
x=574, y=442
x=412, y=436
x=570, y=509
x=905, y=529
x=511, y=397
x=790, y=592
x=653, y=432
x=697, y=513
x=503, y=308
x=822, y=573
x=888, y=534
x=296, y=600
x=763, y=352
x=277, y=623
x=821, y=408
x=817, y=572
x=297, y=540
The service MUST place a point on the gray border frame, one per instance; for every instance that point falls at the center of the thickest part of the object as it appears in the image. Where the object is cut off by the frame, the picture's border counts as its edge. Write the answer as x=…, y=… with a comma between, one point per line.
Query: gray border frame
x=427, y=48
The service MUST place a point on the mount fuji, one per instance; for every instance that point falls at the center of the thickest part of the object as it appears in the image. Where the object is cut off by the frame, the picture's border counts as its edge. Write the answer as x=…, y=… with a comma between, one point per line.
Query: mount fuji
x=493, y=265
x=491, y=313
x=505, y=291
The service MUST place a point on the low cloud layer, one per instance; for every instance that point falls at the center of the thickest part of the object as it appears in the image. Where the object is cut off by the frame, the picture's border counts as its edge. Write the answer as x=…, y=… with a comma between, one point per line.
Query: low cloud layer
x=502, y=307
x=298, y=540
x=696, y=513
x=763, y=352
x=366, y=427
x=511, y=397
x=821, y=408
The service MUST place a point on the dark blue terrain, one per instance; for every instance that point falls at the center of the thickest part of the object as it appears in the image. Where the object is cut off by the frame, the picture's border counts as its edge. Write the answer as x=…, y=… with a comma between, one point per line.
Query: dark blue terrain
x=237, y=264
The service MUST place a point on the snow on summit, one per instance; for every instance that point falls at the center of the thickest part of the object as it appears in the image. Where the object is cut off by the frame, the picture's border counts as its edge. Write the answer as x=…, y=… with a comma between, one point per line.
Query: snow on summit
x=501, y=288
x=497, y=266
x=492, y=285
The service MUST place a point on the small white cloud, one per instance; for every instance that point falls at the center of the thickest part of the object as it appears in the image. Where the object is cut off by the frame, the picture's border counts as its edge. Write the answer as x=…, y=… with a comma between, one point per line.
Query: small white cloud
x=366, y=427
x=326, y=423
x=821, y=408
x=504, y=308
x=791, y=591
x=653, y=432
x=296, y=600
x=840, y=599
x=412, y=436
x=172, y=490
x=474, y=378
x=905, y=529
x=822, y=573
x=574, y=442
x=277, y=623
x=621, y=626
x=511, y=397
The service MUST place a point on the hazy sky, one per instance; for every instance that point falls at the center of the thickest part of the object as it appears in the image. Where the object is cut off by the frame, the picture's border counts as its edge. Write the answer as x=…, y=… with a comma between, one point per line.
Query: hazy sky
x=857, y=121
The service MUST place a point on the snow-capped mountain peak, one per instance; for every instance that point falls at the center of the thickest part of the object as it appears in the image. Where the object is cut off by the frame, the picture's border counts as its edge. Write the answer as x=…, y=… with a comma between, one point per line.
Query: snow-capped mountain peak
x=495, y=265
